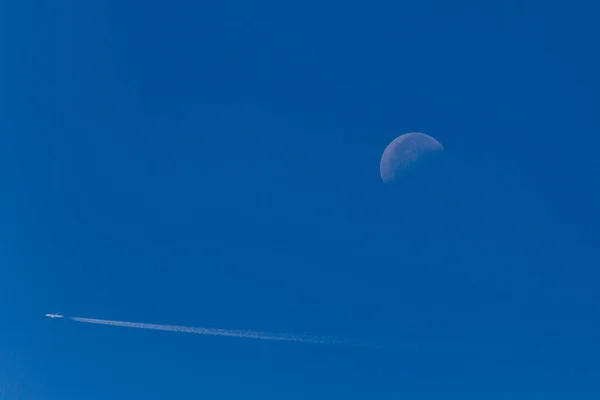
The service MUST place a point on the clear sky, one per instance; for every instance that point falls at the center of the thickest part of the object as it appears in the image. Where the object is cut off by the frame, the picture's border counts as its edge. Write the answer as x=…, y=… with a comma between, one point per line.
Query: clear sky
x=217, y=164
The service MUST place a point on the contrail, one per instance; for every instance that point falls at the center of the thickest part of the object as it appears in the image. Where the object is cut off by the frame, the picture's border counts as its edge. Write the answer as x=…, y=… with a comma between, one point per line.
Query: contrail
x=412, y=346
x=215, y=332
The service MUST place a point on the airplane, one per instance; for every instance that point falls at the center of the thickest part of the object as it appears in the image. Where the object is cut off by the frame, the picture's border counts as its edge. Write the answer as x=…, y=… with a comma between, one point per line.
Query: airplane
x=54, y=316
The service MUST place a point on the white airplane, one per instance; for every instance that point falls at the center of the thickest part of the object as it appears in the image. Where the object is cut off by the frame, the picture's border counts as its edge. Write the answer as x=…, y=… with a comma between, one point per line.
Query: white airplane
x=54, y=316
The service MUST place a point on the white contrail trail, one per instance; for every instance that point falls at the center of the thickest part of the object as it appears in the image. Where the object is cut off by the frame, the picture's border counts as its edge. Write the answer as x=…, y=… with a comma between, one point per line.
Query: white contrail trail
x=413, y=346
x=213, y=331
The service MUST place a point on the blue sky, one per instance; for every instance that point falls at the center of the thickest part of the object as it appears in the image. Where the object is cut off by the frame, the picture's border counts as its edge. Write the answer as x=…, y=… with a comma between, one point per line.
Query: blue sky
x=218, y=165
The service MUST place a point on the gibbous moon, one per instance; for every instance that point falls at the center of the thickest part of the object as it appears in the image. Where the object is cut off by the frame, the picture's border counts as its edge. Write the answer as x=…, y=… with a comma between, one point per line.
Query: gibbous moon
x=404, y=151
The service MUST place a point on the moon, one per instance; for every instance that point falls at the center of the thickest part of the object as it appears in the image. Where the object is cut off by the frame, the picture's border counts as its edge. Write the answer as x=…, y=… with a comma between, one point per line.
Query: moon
x=405, y=150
